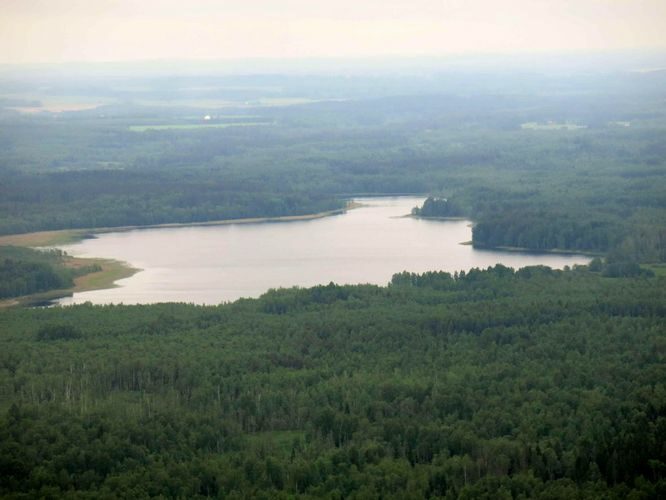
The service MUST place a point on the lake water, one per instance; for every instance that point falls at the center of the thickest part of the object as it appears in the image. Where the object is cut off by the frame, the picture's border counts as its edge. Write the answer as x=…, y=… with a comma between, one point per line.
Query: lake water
x=212, y=264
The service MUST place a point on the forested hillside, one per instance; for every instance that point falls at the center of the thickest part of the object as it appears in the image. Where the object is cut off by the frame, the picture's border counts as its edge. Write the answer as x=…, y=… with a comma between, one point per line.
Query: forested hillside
x=486, y=384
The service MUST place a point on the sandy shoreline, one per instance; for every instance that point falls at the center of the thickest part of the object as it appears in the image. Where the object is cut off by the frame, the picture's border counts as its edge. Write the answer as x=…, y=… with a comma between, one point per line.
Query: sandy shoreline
x=113, y=270
x=67, y=236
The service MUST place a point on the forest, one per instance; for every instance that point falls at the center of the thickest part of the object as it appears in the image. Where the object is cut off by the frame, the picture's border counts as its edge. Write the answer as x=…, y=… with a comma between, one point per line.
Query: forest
x=483, y=384
x=437, y=208
x=24, y=271
x=494, y=383
x=597, y=188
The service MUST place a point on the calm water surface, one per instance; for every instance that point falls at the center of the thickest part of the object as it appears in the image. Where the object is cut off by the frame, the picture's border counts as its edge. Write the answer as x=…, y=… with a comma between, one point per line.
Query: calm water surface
x=212, y=264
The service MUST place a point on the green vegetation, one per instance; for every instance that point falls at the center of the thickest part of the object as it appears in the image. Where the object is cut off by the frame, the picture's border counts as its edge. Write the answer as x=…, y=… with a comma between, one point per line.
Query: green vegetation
x=44, y=238
x=194, y=126
x=437, y=207
x=483, y=384
x=24, y=271
x=107, y=272
x=551, y=126
x=535, y=383
x=598, y=189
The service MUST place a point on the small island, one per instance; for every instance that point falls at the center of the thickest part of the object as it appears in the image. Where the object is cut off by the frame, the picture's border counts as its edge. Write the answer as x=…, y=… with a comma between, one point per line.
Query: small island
x=438, y=208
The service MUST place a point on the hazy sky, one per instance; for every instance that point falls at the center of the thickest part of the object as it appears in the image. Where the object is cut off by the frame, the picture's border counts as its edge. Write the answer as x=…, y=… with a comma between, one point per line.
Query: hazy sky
x=116, y=30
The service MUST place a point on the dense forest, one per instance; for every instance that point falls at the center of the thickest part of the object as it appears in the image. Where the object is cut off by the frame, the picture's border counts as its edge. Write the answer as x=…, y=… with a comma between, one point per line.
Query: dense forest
x=485, y=384
x=508, y=160
x=496, y=383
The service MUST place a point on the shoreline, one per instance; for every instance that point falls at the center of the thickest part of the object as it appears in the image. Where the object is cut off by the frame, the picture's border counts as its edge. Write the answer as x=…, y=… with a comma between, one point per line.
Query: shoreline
x=451, y=218
x=554, y=251
x=67, y=236
x=114, y=270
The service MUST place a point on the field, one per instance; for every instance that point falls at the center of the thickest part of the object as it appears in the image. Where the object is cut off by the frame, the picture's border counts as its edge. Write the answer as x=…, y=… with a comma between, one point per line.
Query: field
x=194, y=126
x=551, y=126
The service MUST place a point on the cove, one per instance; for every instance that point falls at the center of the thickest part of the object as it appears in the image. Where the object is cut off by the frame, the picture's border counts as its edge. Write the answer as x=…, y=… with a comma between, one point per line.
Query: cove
x=213, y=264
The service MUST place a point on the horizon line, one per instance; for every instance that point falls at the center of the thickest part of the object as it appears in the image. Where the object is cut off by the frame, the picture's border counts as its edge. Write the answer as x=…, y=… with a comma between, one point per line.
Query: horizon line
x=655, y=51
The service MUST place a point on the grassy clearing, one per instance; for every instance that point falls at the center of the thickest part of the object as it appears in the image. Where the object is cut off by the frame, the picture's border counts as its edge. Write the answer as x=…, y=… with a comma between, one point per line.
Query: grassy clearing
x=194, y=126
x=551, y=126
x=55, y=104
x=657, y=269
x=216, y=116
x=112, y=271
x=44, y=238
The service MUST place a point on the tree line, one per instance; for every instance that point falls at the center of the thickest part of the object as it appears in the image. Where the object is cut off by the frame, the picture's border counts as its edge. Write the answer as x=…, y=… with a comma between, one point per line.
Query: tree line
x=25, y=271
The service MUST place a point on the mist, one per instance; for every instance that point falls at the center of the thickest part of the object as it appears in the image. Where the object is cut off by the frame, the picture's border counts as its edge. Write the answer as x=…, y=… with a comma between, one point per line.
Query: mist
x=121, y=30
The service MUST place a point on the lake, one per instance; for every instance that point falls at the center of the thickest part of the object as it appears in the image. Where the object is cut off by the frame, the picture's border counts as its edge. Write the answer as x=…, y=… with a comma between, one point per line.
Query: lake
x=212, y=264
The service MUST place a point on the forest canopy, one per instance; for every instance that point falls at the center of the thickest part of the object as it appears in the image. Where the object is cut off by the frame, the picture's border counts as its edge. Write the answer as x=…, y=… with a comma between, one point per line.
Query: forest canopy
x=530, y=383
x=495, y=383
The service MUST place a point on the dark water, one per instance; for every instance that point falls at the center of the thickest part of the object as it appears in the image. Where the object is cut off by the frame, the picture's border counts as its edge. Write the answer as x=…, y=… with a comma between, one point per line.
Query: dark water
x=208, y=265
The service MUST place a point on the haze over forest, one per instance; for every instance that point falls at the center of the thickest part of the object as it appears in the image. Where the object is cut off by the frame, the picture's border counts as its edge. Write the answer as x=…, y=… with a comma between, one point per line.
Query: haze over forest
x=349, y=175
